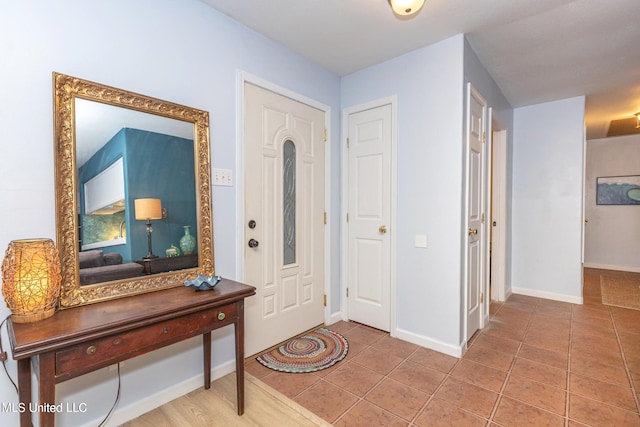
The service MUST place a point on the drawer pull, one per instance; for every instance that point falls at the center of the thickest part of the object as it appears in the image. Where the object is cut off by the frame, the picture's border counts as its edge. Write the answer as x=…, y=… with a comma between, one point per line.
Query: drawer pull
x=221, y=316
x=92, y=350
x=165, y=331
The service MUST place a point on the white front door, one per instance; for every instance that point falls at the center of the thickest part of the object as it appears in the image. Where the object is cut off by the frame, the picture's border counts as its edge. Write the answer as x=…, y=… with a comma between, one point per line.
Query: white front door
x=476, y=113
x=284, y=217
x=369, y=216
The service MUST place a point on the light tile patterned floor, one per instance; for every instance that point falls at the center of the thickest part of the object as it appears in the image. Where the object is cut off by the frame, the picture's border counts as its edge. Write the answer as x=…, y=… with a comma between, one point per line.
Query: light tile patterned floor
x=538, y=363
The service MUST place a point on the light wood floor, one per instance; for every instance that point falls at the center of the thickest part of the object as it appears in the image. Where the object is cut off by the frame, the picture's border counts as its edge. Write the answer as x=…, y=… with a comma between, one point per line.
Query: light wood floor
x=217, y=407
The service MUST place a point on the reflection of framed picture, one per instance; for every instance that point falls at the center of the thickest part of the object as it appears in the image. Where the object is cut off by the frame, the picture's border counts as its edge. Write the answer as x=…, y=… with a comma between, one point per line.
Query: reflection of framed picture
x=618, y=190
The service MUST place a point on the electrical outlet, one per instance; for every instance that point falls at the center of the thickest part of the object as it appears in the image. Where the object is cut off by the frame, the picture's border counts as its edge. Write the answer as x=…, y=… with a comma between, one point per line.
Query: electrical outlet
x=222, y=177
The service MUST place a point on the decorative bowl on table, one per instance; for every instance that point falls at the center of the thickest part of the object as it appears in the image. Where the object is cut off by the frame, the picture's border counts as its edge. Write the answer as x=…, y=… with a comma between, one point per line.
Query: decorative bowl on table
x=203, y=283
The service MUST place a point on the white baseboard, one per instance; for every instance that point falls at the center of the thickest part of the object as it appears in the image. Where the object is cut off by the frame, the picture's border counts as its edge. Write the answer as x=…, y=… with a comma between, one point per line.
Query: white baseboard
x=334, y=318
x=548, y=295
x=508, y=292
x=611, y=267
x=140, y=407
x=451, y=350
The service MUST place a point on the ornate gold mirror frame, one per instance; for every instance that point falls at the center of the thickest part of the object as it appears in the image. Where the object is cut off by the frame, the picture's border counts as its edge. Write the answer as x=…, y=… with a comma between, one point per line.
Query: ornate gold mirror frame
x=66, y=90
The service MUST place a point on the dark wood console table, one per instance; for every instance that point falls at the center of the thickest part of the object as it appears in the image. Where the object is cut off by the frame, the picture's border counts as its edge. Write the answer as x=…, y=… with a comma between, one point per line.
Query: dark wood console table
x=83, y=339
x=161, y=265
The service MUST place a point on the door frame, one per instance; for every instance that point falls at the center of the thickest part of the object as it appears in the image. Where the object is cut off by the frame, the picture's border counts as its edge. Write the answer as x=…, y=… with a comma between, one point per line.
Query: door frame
x=344, y=201
x=498, y=167
x=242, y=78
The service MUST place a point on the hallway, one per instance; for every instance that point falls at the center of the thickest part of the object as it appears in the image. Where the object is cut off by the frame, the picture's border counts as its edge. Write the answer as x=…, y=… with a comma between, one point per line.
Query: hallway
x=538, y=362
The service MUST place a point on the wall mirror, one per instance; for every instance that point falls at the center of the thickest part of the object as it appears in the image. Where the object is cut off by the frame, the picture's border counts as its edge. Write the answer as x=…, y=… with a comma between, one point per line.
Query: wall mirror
x=133, y=192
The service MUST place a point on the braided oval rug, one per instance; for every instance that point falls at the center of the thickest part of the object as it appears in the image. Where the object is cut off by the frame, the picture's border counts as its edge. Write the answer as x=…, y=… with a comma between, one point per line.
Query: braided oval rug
x=311, y=352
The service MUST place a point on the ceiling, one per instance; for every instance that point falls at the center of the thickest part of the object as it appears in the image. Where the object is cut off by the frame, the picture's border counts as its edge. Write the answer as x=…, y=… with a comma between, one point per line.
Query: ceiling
x=536, y=50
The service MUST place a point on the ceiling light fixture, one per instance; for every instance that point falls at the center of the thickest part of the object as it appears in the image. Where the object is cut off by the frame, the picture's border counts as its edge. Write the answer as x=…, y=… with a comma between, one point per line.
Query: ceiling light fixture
x=406, y=7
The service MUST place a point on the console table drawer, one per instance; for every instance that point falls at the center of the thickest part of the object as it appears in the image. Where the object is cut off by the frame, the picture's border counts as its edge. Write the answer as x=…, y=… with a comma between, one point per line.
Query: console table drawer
x=91, y=355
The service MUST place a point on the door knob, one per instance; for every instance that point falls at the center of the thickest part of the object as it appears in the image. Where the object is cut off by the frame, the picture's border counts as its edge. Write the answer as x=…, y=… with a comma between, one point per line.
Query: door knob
x=473, y=231
x=253, y=243
x=382, y=229
x=252, y=224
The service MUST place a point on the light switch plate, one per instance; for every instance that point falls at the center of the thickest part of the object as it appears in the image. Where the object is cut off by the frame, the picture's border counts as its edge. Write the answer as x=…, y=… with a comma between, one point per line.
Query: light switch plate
x=421, y=241
x=222, y=177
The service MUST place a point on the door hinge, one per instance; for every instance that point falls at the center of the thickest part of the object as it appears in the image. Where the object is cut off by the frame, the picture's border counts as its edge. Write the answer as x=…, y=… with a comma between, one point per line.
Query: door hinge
x=325, y=135
x=484, y=136
x=347, y=216
x=325, y=218
x=347, y=292
x=482, y=218
x=324, y=299
x=347, y=142
x=481, y=298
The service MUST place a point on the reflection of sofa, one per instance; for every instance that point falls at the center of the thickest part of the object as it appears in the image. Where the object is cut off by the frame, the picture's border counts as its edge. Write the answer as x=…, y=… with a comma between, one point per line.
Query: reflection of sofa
x=97, y=267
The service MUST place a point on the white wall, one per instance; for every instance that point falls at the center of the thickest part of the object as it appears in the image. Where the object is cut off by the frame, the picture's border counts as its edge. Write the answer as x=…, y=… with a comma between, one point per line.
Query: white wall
x=181, y=51
x=429, y=86
x=613, y=232
x=547, y=200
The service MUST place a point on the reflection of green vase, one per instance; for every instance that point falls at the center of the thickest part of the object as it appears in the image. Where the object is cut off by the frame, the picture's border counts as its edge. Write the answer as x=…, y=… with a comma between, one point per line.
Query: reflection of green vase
x=172, y=251
x=187, y=242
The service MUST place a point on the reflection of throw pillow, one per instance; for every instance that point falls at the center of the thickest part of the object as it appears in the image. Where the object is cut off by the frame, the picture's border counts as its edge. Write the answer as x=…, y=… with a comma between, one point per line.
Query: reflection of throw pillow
x=90, y=259
x=112, y=258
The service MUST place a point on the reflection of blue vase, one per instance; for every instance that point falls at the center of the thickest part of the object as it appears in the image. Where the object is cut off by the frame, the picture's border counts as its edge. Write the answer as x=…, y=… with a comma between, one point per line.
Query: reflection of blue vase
x=187, y=242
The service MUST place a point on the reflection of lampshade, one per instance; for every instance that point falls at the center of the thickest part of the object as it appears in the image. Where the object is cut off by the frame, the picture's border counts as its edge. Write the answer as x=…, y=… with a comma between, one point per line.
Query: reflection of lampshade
x=31, y=279
x=148, y=209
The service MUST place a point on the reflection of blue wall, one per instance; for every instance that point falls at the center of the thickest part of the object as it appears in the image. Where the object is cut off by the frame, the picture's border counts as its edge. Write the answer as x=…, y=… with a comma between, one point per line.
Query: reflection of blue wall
x=160, y=167
x=157, y=166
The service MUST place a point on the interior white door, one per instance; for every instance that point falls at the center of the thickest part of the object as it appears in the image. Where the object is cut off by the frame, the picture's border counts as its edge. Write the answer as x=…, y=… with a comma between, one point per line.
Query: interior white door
x=284, y=217
x=369, y=215
x=476, y=126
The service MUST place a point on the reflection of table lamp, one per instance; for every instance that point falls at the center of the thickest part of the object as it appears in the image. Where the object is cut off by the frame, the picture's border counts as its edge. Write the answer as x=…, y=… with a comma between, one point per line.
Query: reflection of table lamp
x=146, y=210
x=31, y=279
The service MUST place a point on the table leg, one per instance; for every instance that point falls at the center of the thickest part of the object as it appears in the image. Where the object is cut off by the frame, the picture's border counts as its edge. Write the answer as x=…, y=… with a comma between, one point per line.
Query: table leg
x=47, y=392
x=24, y=391
x=206, y=345
x=239, y=329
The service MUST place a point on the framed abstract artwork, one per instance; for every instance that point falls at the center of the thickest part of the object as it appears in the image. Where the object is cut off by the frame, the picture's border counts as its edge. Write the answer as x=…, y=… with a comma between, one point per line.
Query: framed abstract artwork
x=618, y=190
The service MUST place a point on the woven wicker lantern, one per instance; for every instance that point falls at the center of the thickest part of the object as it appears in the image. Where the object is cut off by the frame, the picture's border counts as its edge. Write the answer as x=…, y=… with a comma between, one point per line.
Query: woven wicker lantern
x=31, y=279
